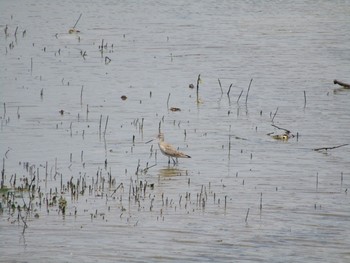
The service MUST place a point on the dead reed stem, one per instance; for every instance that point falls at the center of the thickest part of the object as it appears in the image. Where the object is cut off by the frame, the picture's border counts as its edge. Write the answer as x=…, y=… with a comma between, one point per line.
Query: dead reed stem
x=229, y=90
x=104, y=133
x=167, y=102
x=246, y=97
x=77, y=21
x=198, y=80
x=239, y=97
x=222, y=92
x=246, y=217
x=274, y=114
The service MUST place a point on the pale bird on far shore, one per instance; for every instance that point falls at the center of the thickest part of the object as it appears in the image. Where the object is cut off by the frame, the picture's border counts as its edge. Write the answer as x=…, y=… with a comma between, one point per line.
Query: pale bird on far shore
x=169, y=150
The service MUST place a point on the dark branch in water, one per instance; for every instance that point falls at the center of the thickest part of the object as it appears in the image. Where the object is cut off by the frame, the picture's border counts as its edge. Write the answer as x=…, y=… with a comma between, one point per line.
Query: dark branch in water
x=330, y=148
x=280, y=128
x=343, y=84
x=77, y=21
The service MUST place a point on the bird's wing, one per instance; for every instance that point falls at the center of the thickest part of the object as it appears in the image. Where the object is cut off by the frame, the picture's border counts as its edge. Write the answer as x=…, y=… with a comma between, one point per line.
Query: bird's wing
x=169, y=150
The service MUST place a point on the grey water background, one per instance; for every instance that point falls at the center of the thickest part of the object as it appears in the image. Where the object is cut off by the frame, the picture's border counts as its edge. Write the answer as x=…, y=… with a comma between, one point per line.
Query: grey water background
x=298, y=201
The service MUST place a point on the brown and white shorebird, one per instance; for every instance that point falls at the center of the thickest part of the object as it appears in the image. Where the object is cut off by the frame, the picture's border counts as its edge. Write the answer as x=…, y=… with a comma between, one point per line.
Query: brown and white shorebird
x=169, y=150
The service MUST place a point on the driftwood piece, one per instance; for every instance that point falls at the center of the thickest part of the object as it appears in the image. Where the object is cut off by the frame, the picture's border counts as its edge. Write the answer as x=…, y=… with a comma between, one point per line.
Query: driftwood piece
x=329, y=148
x=343, y=84
x=280, y=128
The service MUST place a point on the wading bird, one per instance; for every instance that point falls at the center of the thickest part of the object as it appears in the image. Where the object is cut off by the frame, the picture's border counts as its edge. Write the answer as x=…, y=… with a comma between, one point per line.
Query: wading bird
x=169, y=150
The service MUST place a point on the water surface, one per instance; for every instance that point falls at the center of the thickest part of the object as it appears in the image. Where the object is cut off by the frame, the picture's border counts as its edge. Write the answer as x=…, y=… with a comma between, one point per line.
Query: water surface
x=197, y=210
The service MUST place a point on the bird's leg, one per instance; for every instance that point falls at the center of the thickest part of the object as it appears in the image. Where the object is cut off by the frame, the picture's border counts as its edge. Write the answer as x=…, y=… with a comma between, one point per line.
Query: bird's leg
x=168, y=160
x=174, y=160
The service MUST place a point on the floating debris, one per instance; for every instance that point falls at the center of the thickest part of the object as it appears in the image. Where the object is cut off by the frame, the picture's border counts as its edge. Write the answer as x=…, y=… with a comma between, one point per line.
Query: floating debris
x=329, y=148
x=175, y=109
x=283, y=137
x=73, y=31
x=343, y=84
x=123, y=97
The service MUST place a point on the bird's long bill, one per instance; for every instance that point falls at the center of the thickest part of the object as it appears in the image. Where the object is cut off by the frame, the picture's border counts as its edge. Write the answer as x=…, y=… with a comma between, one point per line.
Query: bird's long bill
x=149, y=141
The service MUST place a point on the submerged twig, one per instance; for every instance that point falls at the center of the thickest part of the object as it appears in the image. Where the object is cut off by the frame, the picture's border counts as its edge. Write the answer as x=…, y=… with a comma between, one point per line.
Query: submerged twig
x=280, y=128
x=330, y=148
x=343, y=84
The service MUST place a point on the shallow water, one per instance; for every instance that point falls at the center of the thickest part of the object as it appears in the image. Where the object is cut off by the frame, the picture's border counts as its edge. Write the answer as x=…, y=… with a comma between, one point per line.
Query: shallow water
x=297, y=198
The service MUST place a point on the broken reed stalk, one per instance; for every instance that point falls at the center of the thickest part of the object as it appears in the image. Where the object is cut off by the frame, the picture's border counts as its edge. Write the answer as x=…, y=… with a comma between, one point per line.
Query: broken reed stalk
x=81, y=95
x=104, y=133
x=222, y=92
x=31, y=66
x=229, y=90
x=246, y=217
x=280, y=128
x=304, y=98
x=167, y=102
x=260, y=202
x=99, y=128
x=239, y=97
x=246, y=97
x=330, y=148
x=274, y=115
x=2, y=174
x=198, y=80
x=77, y=21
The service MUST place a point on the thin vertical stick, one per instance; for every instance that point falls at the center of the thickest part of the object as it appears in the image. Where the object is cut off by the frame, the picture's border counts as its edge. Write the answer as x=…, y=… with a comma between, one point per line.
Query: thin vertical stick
x=46, y=174
x=167, y=102
x=239, y=97
x=222, y=92
x=77, y=21
x=81, y=95
x=274, y=115
x=87, y=111
x=246, y=217
x=304, y=98
x=31, y=66
x=104, y=133
x=198, y=80
x=246, y=97
x=99, y=128
x=2, y=174
x=260, y=202
x=229, y=89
